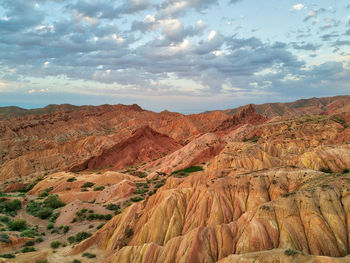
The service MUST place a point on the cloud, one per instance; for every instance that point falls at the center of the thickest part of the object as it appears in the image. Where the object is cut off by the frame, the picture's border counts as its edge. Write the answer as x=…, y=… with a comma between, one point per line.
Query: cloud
x=178, y=8
x=158, y=48
x=310, y=15
x=298, y=7
x=108, y=8
x=306, y=46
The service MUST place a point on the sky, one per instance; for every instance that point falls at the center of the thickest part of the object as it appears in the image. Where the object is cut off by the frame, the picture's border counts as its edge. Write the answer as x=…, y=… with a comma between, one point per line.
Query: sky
x=181, y=55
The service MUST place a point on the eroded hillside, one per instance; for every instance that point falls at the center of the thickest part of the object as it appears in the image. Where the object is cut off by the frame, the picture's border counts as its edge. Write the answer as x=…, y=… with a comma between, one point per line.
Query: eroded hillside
x=129, y=185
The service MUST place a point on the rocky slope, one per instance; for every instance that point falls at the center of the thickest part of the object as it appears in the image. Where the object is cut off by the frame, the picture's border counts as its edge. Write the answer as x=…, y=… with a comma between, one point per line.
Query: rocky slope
x=211, y=187
x=144, y=145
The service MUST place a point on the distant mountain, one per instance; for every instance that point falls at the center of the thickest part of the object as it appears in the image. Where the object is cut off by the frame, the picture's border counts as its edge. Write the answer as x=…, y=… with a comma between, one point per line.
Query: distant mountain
x=301, y=107
x=13, y=111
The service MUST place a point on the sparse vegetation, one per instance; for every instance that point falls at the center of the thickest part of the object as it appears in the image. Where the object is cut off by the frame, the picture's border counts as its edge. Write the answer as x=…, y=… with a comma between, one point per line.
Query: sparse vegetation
x=129, y=232
x=81, y=236
x=87, y=185
x=10, y=207
x=72, y=179
x=88, y=255
x=29, y=243
x=99, y=188
x=55, y=244
x=136, y=198
x=29, y=233
x=18, y=225
x=7, y=256
x=44, y=213
x=66, y=229
x=53, y=201
x=45, y=210
x=187, y=171
x=251, y=139
x=71, y=239
x=326, y=170
x=28, y=249
x=290, y=252
x=4, y=238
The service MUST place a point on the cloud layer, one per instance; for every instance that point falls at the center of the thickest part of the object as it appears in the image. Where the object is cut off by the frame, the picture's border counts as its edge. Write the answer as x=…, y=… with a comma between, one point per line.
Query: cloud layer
x=173, y=48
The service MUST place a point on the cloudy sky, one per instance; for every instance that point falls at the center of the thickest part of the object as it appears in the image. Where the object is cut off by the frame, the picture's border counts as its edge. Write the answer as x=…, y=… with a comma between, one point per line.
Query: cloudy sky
x=180, y=55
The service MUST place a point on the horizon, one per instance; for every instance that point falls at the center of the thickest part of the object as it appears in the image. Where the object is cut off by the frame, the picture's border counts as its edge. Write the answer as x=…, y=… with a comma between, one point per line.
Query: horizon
x=185, y=113
x=179, y=55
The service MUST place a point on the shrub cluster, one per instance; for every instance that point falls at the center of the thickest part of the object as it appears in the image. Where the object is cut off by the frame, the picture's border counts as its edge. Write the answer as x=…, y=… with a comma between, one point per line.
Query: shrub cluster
x=45, y=209
x=10, y=207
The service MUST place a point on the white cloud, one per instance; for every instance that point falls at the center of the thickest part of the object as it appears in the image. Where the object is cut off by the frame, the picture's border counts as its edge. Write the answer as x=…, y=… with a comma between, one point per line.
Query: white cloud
x=298, y=7
x=2, y=85
x=31, y=91
x=117, y=38
x=212, y=35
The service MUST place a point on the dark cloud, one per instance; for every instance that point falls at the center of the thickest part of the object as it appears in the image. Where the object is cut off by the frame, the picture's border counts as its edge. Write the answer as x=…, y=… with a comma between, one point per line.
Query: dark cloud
x=108, y=8
x=20, y=15
x=306, y=46
x=327, y=37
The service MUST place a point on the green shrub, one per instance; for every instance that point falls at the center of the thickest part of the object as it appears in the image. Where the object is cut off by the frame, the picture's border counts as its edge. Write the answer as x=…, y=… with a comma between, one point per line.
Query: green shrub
x=33, y=207
x=100, y=225
x=88, y=255
x=5, y=219
x=10, y=207
x=53, y=201
x=27, y=249
x=108, y=217
x=18, y=225
x=39, y=240
x=129, y=232
x=71, y=239
x=55, y=244
x=49, y=189
x=4, y=238
x=44, y=213
x=72, y=179
x=99, y=188
x=140, y=191
x=136, y=198
x=326, y=170
x=117, y=212
x=28, y=233
x=66, y=229
x=43, y=194
x=345, y=171
x=42, y=261
x=76, y=261
x=81, y=236
x=29, y=243
x=87, y=185
x=49, y=226
x=54, y=216
x=158, y=185
x=290, y=252
x=7, y=256
x=251, y=139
